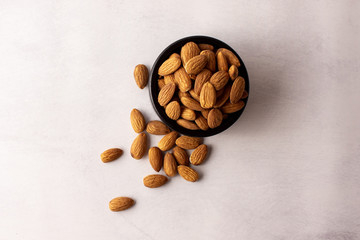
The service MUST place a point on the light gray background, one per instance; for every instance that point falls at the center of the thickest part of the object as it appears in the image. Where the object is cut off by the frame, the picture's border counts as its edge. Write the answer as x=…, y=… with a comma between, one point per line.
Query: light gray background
x=288, y=169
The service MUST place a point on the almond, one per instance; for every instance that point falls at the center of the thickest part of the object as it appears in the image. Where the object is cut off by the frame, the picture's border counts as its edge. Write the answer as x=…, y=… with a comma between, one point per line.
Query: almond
x=219, y=79
x=191, y=103
x=120, y=204
x=173, y=110
x=211, y=61
x=205, y=113
x=245, y=95
x=199, y=154
x=222, y=63
x=202, y=123
x=169, y=66
x=183, y=80
x=183, y=94
x=207, y=96
x=196, y=64
x=137, y=121
x=181, y=156
x=187, y=142
x=223, y=98
x=215, y=118
x=201, y=78
x=237, y=90
x=194, y=95
x=141, y=75
x=232, y=107
x=188, y=51
x=168, y=141
x=139, y=146
x=220, y=92
x=154, y=180
x=192, y=76
x=111, y=154
x=169, y=78
x=204, y=46
x=188, y=114
x=233, y=72
x=188, y=173
x=230, y=56
x=166, y=93
x=157, y=128
x=175, y=55
x=187, y=124
x=161, y=83
x=155, y=158
x=170, y=165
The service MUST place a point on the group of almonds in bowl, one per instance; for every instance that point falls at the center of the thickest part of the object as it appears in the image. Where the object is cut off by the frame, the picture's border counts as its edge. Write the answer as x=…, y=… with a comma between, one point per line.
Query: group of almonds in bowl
x=199, y=87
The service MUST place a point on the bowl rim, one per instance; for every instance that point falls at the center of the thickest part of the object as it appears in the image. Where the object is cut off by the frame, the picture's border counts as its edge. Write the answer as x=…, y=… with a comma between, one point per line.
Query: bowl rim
x=153, y=87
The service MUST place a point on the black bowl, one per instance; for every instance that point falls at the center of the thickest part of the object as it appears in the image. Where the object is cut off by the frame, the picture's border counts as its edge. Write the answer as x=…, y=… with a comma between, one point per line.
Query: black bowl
x=154, y=89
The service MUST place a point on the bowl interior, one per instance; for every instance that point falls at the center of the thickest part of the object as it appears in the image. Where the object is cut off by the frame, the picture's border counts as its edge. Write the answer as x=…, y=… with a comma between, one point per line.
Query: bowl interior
x=154, y=89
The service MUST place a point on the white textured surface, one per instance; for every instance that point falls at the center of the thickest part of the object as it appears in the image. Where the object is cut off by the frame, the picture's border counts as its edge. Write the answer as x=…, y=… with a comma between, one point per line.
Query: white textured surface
x=289, y=169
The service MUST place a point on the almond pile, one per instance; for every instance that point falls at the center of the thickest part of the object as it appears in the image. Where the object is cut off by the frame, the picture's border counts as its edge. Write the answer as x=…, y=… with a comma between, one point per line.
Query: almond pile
x=170, y=154
x=198, y=88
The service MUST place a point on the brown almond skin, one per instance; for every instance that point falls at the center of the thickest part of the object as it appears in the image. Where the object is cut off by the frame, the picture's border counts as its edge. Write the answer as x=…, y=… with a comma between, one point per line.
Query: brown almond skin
x=237, y=90
x=200, y=79
x=111, y=155
x=170, y=165
x=219, y=79
x=156, y=158
x=204, y=46
x=173, y=110
x=222, y=63
x=232, y=107
x=194, y=95
x=137, y=121
x=141, y=75
x=207, y=96
x=181, y=156
x=157, y=128
x=196, y=64
x=183, y=80
x=191, y=103
x=168, y=141
x=205, y=113
x=187, y=124
x=166, y=94
x=220, y=101
x=139, y=146
x=211, y=63
x=188, y=51
x=121, y=203
x=233, y=72
x=187, y=142
x=169, y=78
x=220, y=92
x=188, y=114
x=202, y=123
x=198, y=156
x=169, y=66
x=188, y=173
x=175, y=55
x=154, y=180
x=161, y=83
x=245, y=95
x=230, y=56
x=183, y=94
x=215, y=118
